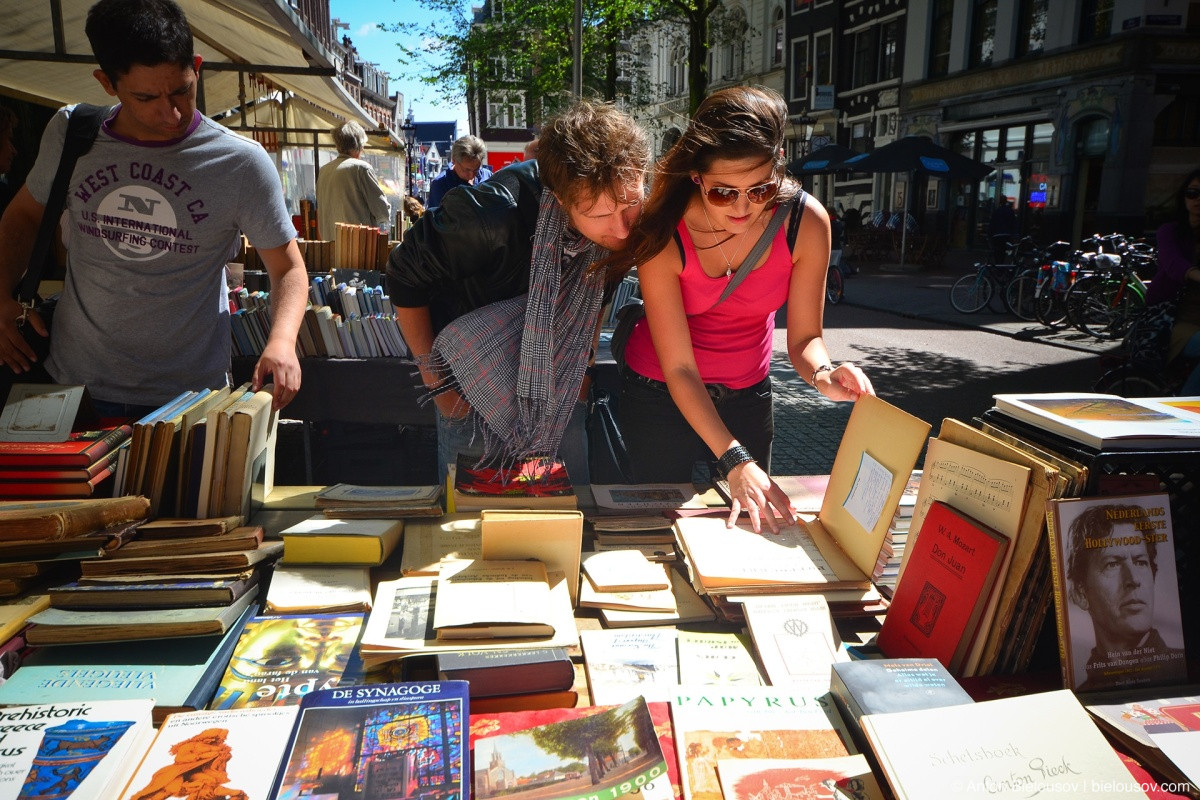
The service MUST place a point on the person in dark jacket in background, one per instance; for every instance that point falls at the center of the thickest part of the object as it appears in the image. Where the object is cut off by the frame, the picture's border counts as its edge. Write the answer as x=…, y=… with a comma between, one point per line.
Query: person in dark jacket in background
x=501, y=274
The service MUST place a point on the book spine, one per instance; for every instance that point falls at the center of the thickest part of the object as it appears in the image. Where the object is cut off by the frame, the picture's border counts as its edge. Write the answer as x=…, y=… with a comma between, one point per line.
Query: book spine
x=1057, y=580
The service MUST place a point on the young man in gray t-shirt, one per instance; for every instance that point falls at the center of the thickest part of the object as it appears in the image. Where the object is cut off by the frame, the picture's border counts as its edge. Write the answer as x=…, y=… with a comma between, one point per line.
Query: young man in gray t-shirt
x=154, y=211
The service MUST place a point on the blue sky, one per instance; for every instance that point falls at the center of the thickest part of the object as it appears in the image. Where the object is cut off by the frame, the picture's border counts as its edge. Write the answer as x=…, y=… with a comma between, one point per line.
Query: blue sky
x=379, y=47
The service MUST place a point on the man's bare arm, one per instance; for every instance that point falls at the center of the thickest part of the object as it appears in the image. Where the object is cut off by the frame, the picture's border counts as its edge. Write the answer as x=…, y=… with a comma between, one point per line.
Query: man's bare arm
x=289, y=297
x=18, y=230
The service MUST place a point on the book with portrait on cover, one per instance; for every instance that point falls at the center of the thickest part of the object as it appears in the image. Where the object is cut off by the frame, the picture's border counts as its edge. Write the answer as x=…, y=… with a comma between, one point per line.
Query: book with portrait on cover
x=1116, y=592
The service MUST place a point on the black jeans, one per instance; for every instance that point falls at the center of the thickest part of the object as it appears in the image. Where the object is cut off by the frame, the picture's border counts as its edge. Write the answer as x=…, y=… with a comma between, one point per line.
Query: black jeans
x=662, y=446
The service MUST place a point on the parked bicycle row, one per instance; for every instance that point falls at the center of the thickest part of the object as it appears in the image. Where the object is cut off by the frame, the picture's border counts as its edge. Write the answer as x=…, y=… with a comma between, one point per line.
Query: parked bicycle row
x=1098, y=287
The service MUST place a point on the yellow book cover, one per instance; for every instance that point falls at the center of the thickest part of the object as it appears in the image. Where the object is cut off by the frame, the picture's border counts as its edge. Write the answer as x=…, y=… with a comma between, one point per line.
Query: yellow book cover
x=321, y=540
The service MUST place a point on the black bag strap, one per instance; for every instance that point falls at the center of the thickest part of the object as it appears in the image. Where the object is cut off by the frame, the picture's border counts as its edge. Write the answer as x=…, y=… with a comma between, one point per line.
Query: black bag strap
x=794, y=224
x=82, y=126
x=764, y=241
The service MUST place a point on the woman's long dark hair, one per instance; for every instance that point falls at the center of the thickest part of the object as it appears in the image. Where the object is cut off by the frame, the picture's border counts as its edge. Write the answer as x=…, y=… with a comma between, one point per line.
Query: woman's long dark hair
x=734, y=123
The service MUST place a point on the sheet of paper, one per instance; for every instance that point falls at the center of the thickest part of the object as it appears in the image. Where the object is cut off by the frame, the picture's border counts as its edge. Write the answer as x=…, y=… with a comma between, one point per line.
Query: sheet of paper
x=869, y=494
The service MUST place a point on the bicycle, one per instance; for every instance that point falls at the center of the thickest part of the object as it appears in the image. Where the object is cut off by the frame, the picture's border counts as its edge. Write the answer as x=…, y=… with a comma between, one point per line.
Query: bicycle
x=973, y=291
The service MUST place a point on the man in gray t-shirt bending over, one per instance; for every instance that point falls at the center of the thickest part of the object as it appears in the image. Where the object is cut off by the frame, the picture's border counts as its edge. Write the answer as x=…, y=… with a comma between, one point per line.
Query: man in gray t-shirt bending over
x=154, y=210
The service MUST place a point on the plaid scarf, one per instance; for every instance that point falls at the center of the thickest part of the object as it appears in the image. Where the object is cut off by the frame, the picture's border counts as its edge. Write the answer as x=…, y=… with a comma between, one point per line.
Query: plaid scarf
x=519, y=363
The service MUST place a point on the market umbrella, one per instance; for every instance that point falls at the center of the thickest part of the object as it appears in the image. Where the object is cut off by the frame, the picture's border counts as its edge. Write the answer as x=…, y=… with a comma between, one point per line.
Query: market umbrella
x=824, y=159
x=916, y=154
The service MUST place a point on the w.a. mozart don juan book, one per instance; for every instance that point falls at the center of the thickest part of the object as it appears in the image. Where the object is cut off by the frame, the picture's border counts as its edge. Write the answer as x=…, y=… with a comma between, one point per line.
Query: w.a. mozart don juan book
x=939, y=600
x=390, y=737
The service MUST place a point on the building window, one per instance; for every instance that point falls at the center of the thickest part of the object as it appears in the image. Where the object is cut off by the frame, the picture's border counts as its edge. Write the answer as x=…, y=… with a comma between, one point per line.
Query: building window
x=866, y=43
x=506, y=109
x=800, y=70
x=939, y=38
x=1031, y=31
x=889, y=49
x=1095, y=20
x=983, y=33
x=777, y=29
x=860, y=133
x=678, y=82
x=823, y=59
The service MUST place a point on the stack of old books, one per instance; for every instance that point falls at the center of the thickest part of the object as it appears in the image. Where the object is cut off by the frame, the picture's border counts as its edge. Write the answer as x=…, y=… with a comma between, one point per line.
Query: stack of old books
x=42, y=456
x=379, y=502
x=639, y=516
x=161, y=609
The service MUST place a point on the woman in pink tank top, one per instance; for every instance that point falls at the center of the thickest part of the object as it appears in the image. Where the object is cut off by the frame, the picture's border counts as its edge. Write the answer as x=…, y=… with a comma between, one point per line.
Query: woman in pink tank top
x=696, y=380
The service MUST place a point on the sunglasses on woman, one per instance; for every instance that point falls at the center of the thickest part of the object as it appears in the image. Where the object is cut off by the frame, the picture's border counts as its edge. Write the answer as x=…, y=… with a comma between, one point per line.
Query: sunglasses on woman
x=727, y=196
x=1192, y=193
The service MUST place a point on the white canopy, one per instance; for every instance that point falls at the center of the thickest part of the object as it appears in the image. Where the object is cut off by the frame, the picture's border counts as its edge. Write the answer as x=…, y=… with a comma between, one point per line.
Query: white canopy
x=264, y=37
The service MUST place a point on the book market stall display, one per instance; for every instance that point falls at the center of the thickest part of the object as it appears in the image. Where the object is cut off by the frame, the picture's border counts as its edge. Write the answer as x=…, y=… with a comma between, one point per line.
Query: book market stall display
x=563, y=641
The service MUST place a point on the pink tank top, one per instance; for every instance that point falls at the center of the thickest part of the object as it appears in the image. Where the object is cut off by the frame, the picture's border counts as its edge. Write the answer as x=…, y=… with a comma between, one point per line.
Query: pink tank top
x=732, y=341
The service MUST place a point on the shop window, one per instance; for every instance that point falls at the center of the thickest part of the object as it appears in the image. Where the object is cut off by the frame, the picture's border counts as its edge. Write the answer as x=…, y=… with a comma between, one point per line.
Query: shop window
x=1041, y=142
x=1093, y=138
x=989, y=145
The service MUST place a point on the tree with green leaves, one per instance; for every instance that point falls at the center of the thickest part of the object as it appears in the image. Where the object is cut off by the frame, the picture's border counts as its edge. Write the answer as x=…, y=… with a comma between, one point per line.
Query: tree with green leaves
x=592, y=739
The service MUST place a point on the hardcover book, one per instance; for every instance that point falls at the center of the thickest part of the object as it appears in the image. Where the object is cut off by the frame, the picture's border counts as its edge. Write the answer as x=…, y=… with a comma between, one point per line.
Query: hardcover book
x=279, y=659
x=1116, y=592
x=43, y=412
x=61, y=626
x=226, y=752
x=167, y=594
x=845, y=778
x=352, y=501
x=1104, y=421
x=247, y=537
x=226, y=561
x=884, y=685
x=63, y=519
x=81, y=750
x=1042, y=745
x=622, y=664
x=948, y=582
x=321, y=540
x=504, y=672
x=717, y=723
x=81, y=449
x=427, y=543
x=180, y=674
x=1137, y=722
x=379, y=740
x=577, y=757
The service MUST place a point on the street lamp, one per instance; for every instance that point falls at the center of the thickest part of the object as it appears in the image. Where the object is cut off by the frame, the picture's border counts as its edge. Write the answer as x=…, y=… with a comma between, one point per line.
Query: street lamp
x=802, y=127
x=410, y=141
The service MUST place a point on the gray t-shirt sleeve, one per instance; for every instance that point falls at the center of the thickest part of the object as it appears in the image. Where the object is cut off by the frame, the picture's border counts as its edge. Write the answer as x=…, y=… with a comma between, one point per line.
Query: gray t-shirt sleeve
x=262, y=212
x=49, y=152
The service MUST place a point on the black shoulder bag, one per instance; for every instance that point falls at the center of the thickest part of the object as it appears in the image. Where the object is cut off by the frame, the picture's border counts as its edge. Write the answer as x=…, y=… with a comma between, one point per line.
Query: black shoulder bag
x=82, y=127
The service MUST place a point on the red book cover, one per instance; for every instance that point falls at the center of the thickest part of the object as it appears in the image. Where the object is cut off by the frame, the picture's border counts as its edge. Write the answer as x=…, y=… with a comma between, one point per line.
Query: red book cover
x=80, y=450
x=484, y=725
x=52, y=472
x=535, y=478
x=23, y=490
x=951, y=572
